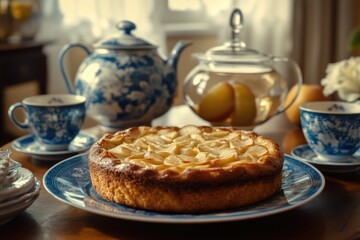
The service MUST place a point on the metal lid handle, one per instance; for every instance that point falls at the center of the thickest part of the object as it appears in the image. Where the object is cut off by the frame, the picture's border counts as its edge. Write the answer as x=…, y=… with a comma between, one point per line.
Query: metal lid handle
x=236, y=23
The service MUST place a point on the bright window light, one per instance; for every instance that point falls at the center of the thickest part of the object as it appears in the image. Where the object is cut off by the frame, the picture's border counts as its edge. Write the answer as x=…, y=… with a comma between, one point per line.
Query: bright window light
x=184, y=5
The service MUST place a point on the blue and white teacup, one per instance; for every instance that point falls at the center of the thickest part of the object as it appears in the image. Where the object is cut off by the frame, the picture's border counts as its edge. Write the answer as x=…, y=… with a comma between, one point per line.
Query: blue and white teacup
x=331, y=128
x=53, y=119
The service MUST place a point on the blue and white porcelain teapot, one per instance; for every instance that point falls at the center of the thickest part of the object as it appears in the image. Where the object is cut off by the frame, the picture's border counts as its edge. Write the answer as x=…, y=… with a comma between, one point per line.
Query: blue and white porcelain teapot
x=125, y=81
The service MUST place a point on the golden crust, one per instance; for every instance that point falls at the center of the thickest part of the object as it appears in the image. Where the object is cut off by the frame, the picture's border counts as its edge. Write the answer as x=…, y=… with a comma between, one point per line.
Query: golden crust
x=215, y=183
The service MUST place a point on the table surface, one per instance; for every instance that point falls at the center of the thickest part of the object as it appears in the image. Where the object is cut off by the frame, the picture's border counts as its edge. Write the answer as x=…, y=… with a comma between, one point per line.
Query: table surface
x=334, y=214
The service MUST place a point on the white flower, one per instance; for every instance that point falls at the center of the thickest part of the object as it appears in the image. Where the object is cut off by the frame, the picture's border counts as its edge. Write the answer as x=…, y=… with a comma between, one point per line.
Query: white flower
x=344, y=78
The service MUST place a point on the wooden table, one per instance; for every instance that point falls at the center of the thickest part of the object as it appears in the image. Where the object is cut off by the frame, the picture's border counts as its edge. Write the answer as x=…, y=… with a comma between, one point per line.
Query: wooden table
x=334, y=214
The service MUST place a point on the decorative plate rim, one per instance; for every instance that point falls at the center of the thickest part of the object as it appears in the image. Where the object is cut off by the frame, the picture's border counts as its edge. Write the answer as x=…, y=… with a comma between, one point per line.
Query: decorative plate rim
x=128, y=213
x=321, y=162
x=16, y=145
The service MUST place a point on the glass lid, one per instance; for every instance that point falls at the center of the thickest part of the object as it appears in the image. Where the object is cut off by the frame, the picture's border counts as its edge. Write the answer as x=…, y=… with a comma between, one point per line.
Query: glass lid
x=235, y=50
x=124, y=39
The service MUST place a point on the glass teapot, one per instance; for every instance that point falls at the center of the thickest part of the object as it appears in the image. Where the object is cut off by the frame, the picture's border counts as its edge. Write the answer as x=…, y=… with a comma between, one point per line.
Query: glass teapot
x=237, y=86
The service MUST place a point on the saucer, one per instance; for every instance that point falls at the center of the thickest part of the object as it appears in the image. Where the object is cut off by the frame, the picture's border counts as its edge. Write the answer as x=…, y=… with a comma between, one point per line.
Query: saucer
x=28, y=145
x=349, y=164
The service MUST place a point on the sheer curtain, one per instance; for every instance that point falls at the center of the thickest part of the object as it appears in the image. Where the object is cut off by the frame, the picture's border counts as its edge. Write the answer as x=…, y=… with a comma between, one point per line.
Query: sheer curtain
x=90, y=20
x=313, y=33
x=87, y=21
x=321, y=30
x=267, y=25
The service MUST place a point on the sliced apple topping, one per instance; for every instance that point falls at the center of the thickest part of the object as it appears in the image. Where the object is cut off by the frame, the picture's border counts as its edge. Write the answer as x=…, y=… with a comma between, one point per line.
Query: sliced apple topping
x=257, y=151
x=189, y=148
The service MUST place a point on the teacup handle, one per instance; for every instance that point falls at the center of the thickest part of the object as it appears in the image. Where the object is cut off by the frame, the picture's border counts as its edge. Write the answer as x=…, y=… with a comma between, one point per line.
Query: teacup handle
x=298, y=73
x=61, y=59
x=11, y=112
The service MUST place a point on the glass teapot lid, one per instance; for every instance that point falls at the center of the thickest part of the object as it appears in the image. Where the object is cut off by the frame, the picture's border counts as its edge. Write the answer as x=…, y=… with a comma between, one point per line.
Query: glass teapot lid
x=124, y=39
x=235, y=50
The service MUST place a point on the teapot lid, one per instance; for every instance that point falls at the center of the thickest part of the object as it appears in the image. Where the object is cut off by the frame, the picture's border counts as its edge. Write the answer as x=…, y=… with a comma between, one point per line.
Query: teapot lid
x=235, y=50
x=124, y=39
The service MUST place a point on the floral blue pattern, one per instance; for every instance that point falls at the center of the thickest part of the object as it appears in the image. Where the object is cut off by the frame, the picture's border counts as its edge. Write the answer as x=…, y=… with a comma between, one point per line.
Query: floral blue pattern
x=129, y=86
x=331, y=135
x=125, y=81
x=54, y=120
x=55, y=126
x=69, y=181
x=345, y=165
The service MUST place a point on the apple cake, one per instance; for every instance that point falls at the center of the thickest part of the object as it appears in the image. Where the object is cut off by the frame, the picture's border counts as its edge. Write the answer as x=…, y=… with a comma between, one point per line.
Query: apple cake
x=188, y=169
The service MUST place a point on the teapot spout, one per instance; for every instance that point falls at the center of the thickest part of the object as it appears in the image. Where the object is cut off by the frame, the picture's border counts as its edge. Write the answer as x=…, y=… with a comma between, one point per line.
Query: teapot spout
x=173, y=58
x=169, y=78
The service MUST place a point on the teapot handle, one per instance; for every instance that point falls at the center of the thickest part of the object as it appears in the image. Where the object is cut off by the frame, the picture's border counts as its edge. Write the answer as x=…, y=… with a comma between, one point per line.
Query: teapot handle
x=298, y=74
x=61, y=59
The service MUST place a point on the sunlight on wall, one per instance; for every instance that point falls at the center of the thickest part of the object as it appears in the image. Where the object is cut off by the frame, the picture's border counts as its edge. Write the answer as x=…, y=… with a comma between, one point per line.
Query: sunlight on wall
x=189, y=5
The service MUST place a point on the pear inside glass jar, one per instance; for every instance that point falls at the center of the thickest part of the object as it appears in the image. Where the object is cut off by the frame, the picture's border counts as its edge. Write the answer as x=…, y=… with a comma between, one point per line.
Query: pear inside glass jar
x=266, y=85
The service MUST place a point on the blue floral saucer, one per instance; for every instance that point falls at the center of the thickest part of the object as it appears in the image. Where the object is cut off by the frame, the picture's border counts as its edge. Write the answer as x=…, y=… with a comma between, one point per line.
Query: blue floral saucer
x=305, y=153
x=27, y=145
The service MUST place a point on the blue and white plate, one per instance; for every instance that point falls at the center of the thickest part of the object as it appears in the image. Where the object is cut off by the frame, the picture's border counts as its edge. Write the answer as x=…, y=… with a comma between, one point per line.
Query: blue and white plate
x=305, y=153
x=28, y=145
x=69, y=181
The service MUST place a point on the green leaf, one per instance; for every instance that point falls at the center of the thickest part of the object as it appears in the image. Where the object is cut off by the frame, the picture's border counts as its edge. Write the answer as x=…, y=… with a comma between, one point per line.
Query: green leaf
x=354, y=39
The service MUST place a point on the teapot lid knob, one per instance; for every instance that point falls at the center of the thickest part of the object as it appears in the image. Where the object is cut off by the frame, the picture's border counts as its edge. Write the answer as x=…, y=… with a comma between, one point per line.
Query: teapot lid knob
x=234, y=50
x=126, y=26
x=236, y=20
x=236, y=23
x=124, y=40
